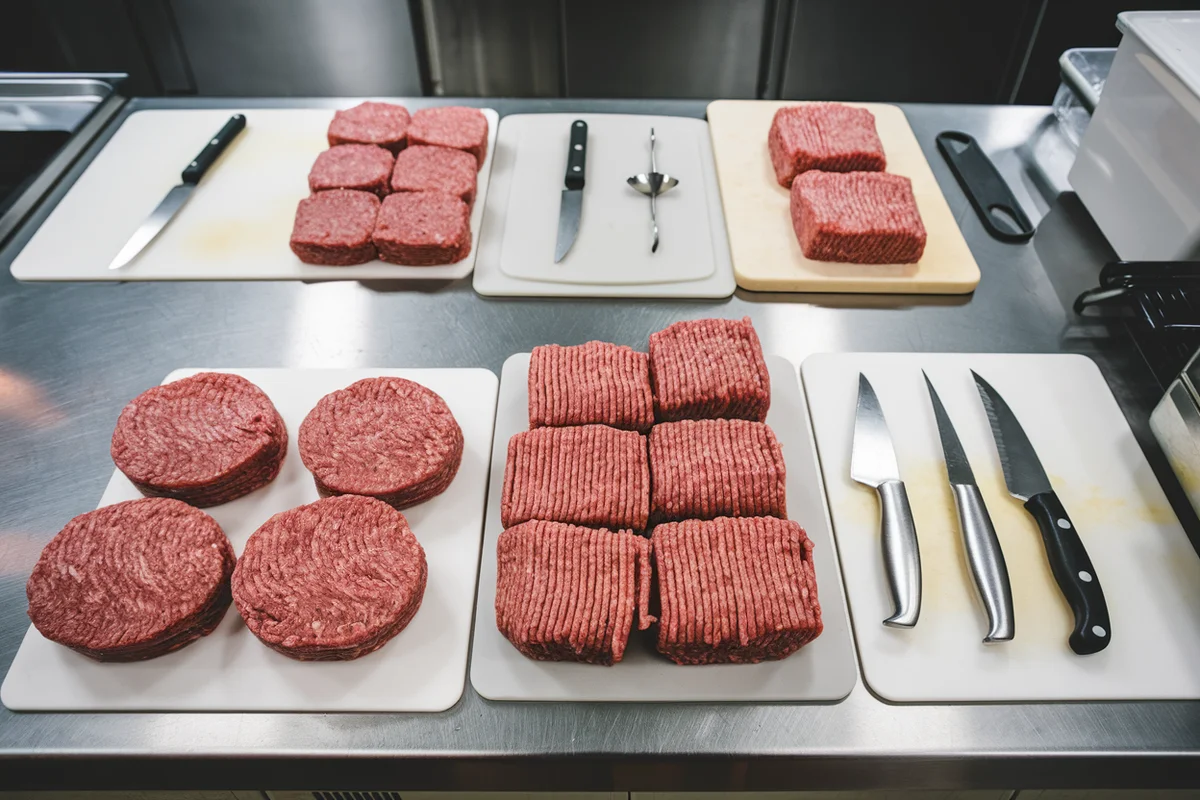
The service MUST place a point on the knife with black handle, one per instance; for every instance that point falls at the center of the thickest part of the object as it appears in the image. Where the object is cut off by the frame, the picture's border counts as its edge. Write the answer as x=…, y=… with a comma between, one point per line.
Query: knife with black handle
x=571, y=208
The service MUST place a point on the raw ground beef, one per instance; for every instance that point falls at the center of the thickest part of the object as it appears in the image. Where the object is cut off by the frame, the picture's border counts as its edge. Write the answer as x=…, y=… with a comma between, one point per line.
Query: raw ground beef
x=565, y=593
x=709, y=369
x=823, y=136
x=857, y=217
x=332, y=580
x=207, y=439
x=590, y=383
x=422, y=168
x=382, y=124
x=423, y=229
x=387, y=438
x=132, y=581
x=363, y=167
x=703, y=469
x=334, y=228
x=734, y=590
x=590, y=475
x=452, y=126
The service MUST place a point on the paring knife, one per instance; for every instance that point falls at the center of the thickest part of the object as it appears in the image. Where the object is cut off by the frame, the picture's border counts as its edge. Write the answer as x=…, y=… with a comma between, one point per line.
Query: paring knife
x=873, y=462
x=175, y=198
x=572, y=196
x=1026, y=480
x=984, y=554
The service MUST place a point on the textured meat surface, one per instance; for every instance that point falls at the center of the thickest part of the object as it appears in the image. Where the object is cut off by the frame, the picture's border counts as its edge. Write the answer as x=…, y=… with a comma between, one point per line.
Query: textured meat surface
x=707, y=369
x=702, y=469
x=206, y=439
x=734, y=590
x=332, y=580
x=567, y=593
x=590, y=383
x=363, y=167
x=381, y=124
x=132, y=581
x=588, y=475
x=422, y=168
x=823, y=136
x=334, y=228
x=423, y=229
x=388, y=438
x=452, y=126
x=857, y=217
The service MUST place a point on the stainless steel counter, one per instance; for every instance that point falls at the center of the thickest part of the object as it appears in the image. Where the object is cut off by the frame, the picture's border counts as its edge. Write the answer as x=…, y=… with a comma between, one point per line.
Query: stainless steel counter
x=72, y=355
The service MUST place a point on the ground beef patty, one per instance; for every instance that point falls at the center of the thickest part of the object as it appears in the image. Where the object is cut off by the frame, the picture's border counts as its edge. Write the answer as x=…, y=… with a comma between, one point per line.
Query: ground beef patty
x=590, y=383
x=382, y=124
x=452, y=126
x=334, y=228
x=857, y=217
x=132, y=581
x=709, y=369
x=734, y=590
x=421, y=168
x=363, y=167
x=387, y=438
x=207, y=439
x=565, y=593
x=423, y=229
x=823, y=136
x=332, y=580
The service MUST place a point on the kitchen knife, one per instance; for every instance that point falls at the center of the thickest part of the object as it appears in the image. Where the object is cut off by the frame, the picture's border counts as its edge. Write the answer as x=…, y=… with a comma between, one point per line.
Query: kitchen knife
x=175, y=198
x=873, y=462
x=984, y=555
x=1026, y=480
x=572, y=196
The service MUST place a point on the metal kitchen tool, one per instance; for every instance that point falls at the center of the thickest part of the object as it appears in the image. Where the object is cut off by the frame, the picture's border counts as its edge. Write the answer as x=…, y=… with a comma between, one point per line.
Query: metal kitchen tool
x=175, y=198
x=1069, y=561
x=873, y=462
x=571, y=209
x=652, y=183
x=984, y=554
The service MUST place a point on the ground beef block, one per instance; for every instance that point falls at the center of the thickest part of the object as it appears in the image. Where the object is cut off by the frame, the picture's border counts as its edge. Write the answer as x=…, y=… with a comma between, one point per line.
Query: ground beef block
x=589, y=475
x=364, y=167
x=824, y=136
x=709, y=369
x=702, y=469
x=423, y=229
x=382, y=124
x=332, y=580
x=132, y=581
x=207, y=439
x=565, y=593
x=388, y=438
x=421, y=168
x=857, y=217
x=452, y=126
x=734, y=590
x=334, y=228
x=590, y=383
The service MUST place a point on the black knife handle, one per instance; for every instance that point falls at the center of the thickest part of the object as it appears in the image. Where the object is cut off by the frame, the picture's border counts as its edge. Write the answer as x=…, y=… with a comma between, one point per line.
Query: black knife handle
x=1074, y=573
x=216, y=145
x=986, y=190
x=577, y=155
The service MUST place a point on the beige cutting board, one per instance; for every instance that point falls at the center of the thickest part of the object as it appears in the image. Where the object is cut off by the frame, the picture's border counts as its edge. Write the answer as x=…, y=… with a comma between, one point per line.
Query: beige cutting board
x=766, y=254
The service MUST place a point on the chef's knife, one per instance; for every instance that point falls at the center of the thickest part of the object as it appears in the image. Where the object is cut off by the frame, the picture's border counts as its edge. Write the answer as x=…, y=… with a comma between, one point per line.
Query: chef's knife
x=175, y=198
x=984, y=555
x=572, y=196
x=873, y=462
x=1026, y=480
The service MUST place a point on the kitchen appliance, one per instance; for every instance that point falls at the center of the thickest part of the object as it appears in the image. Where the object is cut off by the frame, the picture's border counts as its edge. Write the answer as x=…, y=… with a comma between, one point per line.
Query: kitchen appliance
x=1175, y=423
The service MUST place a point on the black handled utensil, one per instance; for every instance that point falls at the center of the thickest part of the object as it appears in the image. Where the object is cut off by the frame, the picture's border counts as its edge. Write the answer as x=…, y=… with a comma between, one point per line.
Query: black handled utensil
x=571, y=209
x=986, y=190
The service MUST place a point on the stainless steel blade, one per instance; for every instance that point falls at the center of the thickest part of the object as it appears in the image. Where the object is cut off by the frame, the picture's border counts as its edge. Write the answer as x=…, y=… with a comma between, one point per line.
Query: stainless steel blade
x=153, y=225
x=1023, y=472
x=958, y=469
x=568, y=221
x=872, y=458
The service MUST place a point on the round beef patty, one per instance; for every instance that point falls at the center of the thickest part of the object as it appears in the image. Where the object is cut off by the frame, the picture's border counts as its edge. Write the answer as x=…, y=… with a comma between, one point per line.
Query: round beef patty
x=388, y=438
x=207, y=439
x=332, y=580
x=132, y=581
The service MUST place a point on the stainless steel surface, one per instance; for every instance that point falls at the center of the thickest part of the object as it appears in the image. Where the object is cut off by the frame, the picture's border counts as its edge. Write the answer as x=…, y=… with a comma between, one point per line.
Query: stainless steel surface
x=1175, y=422
x=570, y=211
x=158, y=219
x=1023, y=472
x=652, y=184
x=873, y=459
x=958, y=468
x=71, y=355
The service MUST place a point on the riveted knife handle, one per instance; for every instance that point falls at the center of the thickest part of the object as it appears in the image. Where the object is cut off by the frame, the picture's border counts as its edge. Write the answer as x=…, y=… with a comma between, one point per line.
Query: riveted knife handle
x=986, y=560
x=1074, y=574
x=216, y=145
x=577, y=155
x=901, y=556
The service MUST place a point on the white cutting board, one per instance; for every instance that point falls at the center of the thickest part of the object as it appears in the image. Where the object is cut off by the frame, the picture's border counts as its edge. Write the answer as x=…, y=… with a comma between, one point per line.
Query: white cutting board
x=611, y=256
x=1147, y=567
x=766, y=253
x=422, y=669
x=821, y=671
x=238, y=222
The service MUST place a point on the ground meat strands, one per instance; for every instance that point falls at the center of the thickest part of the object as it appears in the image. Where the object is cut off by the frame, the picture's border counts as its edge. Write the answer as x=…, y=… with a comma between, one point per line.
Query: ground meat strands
x=593, y=383
x=334, y=228
x=362, y=167
x=382, y=124
x=456, y=127
x=857, y=217
x=823, y=136
x=423, y=229
x=709, y=368
x=422, y=168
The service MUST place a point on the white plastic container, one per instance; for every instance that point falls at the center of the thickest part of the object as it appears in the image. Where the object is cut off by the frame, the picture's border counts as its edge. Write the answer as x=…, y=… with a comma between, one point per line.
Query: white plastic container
x=1138, y=168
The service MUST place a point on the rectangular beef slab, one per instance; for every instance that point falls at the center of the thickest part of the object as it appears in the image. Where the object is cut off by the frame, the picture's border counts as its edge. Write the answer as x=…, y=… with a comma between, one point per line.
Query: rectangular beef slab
x=857, y=217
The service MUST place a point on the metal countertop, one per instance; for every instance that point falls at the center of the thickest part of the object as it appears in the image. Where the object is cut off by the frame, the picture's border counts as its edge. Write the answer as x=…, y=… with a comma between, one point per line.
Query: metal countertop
x=86, y=349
